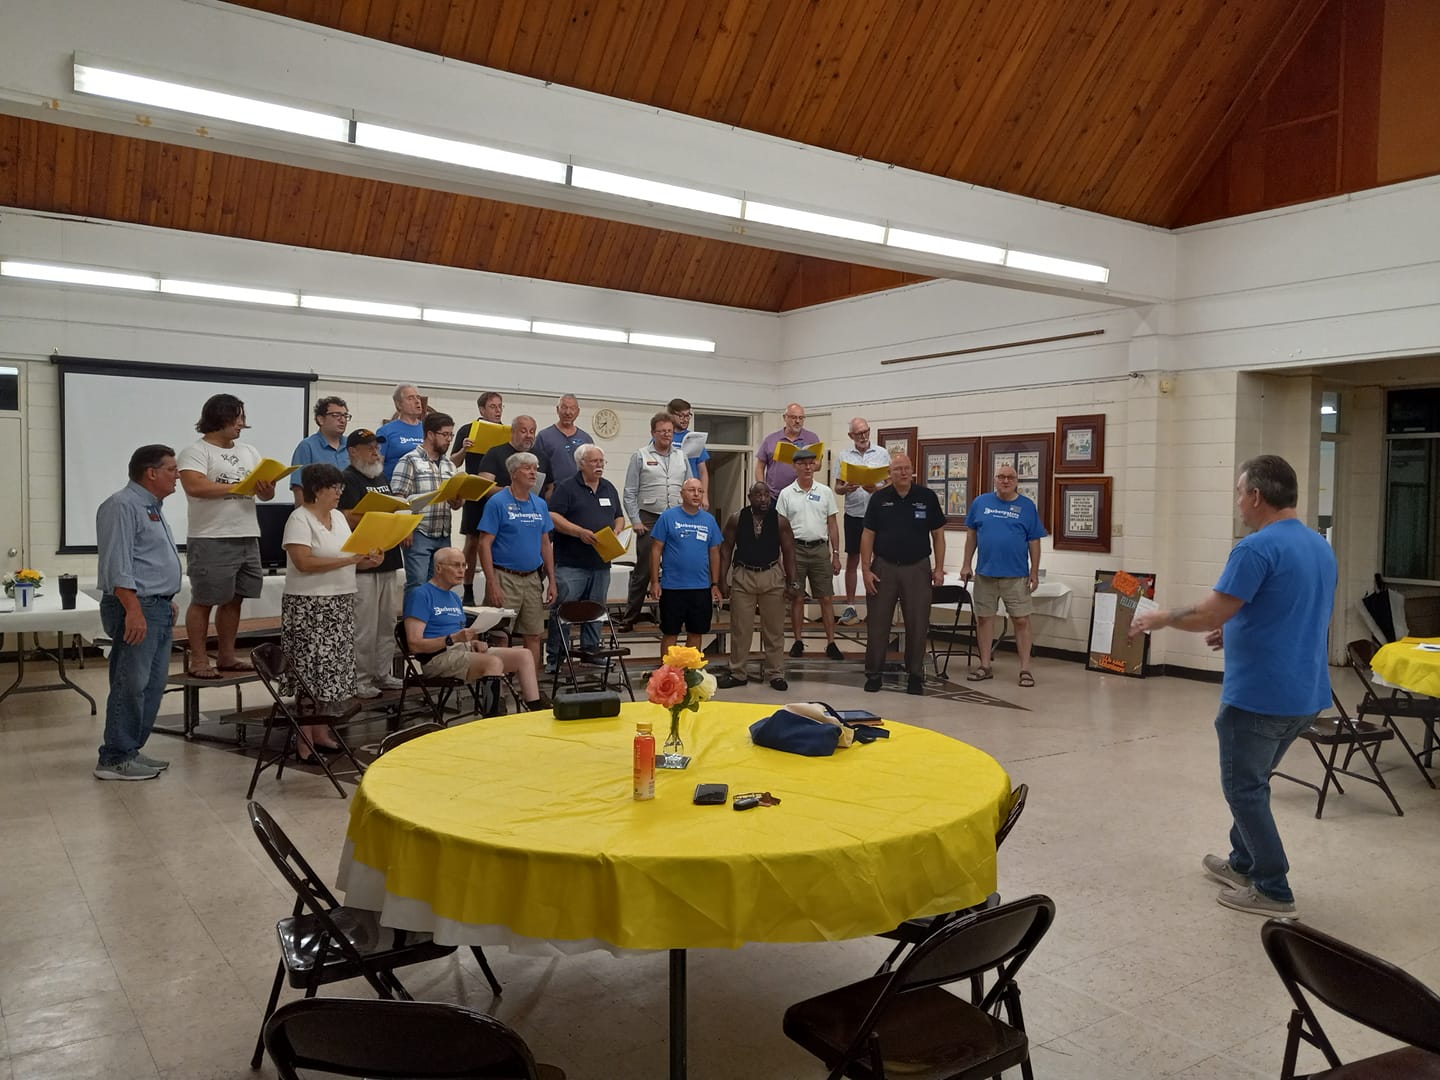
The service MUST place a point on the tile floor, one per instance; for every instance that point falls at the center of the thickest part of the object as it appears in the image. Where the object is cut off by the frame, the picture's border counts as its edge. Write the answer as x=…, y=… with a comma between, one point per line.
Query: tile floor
x=136, y=920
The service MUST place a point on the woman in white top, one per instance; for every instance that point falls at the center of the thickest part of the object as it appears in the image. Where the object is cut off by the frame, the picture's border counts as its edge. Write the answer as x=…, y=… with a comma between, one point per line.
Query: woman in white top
x=317, y=614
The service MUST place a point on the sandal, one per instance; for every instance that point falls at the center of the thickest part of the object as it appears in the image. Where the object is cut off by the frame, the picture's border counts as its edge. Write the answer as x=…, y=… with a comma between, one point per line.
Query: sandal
x=209, y=674
x=1026, y=679
x=980, y=674
x=240, y=666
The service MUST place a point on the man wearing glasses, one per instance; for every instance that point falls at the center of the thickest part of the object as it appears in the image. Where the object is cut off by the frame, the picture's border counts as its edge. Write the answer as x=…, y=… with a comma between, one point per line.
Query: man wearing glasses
x=423, y=469
x=326, y=446
x=778, y=475
x=857, y=500
x=682, y=413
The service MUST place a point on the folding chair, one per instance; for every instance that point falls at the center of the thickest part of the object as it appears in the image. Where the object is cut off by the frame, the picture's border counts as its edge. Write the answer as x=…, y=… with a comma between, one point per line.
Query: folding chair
x=906, y=1022
x=419, y=1039
x=1396, y=703
x=399, y=738
x=272, y=665
x=913, y=931
x=1362, y=988
x=323, y=941
x=609, y=656
x=958, y=595
x=1357, y=736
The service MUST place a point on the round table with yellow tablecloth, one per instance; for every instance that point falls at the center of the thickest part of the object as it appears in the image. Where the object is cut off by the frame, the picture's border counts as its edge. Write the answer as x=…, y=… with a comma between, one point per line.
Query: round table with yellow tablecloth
x=1410, y=664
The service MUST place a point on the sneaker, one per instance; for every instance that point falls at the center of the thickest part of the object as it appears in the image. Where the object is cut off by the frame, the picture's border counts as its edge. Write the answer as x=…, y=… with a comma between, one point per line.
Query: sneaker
x=389, y=682
x=798, y=649
x=126, y=770
x=151, y=762
x=833, y=651
x=915, y=685
x=1253, y=902
x=872, y=684
x=730, y=682
x=1218, y=869
x=778, y=683
x=849, y=617
x=367, y=692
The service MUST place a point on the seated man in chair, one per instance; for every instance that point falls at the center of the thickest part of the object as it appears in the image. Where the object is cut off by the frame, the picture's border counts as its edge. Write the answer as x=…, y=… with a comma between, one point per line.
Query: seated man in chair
x=437, y=634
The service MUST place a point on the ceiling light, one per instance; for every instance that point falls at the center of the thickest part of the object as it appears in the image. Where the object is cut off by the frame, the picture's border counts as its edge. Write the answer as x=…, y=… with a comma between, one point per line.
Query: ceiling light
x=653, y=191
x=468, y=318
x=74, y=275
x=163, y=94
x=454, y=152
x=590, y=333
x=1328, y=410
x=944, y=245
x=664, y=341
x=1045, y=264
x=358, y=307
x=805, y=221
x=235, y=293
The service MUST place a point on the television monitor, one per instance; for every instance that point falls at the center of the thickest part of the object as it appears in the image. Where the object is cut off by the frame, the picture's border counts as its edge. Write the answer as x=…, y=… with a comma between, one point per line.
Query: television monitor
x=273, y=516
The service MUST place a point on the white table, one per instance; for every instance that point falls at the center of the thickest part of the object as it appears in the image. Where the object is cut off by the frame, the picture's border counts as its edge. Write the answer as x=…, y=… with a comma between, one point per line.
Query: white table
x=47, y=616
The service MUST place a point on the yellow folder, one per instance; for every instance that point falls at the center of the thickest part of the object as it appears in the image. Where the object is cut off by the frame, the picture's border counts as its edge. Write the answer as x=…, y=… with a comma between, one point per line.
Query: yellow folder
x=863, y=475
x=485, y=436
x=460, y=486
x=608, y=545
x=268, y=471
x=376, y=502
x=380, y=532
x=785, y=451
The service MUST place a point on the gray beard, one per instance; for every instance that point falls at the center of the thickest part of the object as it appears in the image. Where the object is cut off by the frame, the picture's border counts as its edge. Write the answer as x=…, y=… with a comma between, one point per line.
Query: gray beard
x=371, y=470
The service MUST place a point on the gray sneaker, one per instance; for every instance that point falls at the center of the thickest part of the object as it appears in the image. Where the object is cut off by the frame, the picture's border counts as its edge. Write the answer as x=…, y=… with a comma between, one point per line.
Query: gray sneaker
x=1257, y=903
x=1219, y=870
x=849, y=617
x=151, y=762
x=126, y=770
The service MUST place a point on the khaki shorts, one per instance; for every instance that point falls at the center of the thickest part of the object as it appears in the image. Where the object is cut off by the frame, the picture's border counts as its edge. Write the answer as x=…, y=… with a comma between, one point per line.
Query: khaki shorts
x=813, y=564
x=453, y=663
x=1015, y=591
x=524, y=596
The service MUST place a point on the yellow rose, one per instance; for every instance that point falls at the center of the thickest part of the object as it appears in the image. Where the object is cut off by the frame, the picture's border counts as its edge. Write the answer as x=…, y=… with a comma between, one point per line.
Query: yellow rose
x=682, y=656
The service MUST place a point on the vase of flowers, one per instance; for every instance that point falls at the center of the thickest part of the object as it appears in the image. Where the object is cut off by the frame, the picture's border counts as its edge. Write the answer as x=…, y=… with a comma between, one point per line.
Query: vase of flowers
x=25, y=576
x=678, y=684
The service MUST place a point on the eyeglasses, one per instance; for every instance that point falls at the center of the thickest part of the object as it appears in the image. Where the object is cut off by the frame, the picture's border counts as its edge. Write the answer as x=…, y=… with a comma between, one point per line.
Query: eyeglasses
x=338, y=415
x=860, y=434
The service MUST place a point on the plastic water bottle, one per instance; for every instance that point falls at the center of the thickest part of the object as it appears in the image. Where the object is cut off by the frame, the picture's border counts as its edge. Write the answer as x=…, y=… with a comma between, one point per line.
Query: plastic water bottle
x=644, y=761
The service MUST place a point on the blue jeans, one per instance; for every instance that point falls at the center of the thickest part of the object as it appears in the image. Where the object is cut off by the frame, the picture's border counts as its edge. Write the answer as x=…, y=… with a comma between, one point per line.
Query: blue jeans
x=1251, y=746
x=137, y=675
x=577, y=583
x=420, y=558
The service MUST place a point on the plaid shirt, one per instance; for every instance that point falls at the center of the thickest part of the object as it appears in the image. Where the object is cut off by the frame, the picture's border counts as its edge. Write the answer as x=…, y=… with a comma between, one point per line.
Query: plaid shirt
x=416, y=473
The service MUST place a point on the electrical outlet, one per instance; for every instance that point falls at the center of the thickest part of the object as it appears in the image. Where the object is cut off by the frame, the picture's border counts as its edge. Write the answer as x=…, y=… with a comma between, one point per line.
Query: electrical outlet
x=1117, y=529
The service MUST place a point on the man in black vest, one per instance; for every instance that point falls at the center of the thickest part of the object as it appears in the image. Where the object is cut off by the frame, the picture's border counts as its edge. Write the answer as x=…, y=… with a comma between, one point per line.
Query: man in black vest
x=757, y=569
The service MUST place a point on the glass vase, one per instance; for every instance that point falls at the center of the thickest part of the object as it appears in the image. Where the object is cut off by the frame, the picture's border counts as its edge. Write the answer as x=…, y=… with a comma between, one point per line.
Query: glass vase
x=673, y=743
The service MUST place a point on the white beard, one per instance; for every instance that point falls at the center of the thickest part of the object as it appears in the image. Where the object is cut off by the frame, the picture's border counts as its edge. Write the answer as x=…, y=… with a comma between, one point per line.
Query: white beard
x=371, y=470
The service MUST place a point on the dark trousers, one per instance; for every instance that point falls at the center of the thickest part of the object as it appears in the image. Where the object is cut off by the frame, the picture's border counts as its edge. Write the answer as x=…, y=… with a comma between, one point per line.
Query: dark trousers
x=910, y=586
x=640, y=576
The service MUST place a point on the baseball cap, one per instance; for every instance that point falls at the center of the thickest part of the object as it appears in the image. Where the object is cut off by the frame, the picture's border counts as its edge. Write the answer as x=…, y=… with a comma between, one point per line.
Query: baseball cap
x=361, y=436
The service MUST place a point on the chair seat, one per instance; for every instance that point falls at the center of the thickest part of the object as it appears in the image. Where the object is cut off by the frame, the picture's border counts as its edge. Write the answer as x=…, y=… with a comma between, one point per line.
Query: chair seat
x=300, y=938
x=1410, y=1063
x=922, y=1031
x=599, y=656
x=1325, y=730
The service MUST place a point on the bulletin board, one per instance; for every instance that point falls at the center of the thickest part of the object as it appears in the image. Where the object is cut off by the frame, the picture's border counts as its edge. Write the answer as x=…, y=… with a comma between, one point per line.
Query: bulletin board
x=1117, y=595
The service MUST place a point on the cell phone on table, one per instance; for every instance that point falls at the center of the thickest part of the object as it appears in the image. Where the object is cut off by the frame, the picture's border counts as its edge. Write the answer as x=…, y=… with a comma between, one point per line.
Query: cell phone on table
x=711, y=794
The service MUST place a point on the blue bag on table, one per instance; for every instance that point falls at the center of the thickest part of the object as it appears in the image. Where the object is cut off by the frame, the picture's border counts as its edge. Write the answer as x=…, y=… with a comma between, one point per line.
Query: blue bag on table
x=810, y=728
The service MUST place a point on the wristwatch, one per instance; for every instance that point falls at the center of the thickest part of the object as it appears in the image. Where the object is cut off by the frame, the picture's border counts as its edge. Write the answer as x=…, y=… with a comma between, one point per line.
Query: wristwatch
x=449, y=640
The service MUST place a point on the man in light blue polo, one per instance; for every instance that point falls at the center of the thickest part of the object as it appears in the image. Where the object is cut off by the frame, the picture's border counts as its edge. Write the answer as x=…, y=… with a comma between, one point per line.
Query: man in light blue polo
x=326, y=445
x=139, y=577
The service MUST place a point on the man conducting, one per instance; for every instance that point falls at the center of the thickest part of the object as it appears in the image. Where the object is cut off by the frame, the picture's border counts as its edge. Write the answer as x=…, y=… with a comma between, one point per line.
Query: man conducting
x=757, y=568
x=515, y=549
x=813, y=515
x=378, y=589
x=685, y=568
x=1270, y=611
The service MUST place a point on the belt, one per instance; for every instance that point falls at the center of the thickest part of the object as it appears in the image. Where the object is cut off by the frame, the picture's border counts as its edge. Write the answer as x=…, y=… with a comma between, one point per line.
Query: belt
x=757, y=569
x=811, y=543
x=517, y=573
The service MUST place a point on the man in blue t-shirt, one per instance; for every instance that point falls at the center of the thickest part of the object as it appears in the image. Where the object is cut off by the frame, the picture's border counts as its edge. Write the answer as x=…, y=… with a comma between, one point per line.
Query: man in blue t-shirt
x=515, y=547
x=682, y=413
x=407, y=431
x=1006, y=527
x=1274, y=600
x=685, y=568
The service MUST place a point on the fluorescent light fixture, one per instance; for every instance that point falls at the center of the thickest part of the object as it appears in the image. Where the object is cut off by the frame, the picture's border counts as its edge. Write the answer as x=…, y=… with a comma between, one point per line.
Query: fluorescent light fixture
x=652, y=191
x=664, y=341
x=358, y=307
x=1046, y=264
x=455, y=152
x=944, y=245
x=805, y=221
x=1328, y=410
x=589, y=333
x=470, y=318
x=163, y=94
x=76, y=275
x=9, y=371
x=235, y=293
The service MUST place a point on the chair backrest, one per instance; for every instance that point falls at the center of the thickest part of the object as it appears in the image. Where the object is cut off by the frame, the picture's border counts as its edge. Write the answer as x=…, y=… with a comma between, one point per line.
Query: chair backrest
x=949, y=594
x=379, y=1039
x=1354, y=983
x=310, y=890
x=273, y=665
x=1017, y=807
x=582, y=611
x=399, y=738
x=1360, y=653
x=998, y=938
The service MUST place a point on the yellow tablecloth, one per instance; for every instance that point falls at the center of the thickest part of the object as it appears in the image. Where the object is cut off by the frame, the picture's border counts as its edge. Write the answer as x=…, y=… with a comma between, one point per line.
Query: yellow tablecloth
x=528, y=823
x=1401, y=664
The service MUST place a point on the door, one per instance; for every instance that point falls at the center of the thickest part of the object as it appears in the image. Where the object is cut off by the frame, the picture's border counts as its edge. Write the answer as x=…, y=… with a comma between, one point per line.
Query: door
x=12, y=495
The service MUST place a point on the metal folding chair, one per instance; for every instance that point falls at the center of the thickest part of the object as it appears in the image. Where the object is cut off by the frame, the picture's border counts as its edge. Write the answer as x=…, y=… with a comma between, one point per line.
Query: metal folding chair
x=272, y=665
x=590, y=667
x=1357, y=736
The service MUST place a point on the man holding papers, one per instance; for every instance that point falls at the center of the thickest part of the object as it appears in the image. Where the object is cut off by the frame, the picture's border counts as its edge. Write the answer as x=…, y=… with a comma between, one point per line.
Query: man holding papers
x=682, y=414
x=777, y=472
x=856, y=485
x=470, y=454
x=424, y=470
x=514, y=549
x=492, y=467
x=377, y=588
x=223, y=545
x=580, y=507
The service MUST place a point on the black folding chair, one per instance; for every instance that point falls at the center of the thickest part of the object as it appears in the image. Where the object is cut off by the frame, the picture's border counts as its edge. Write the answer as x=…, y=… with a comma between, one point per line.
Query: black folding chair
x=1362, y=988
x=422, y=1040
x=1357, y=736
x=906, y=1022
x=323, y=942
x=958, y=595
x=399, y=738
x=274, y=667
x=1397, y=703
x=591, y=667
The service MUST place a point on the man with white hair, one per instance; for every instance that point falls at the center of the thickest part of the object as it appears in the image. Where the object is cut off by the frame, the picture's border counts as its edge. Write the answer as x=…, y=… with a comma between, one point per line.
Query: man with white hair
x=515, y=549
x=406, y=432
x=561, y=439
x=378, y=590
x=579, y=508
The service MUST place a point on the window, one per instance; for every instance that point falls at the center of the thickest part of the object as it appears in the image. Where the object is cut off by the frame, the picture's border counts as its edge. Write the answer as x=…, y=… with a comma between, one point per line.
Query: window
x=9, y=389
x=1412, y=486
x=723, y=429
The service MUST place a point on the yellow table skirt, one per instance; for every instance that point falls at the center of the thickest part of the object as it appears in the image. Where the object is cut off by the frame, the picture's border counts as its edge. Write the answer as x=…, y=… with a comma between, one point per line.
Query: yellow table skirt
x=529, y=823
x=1401, y=664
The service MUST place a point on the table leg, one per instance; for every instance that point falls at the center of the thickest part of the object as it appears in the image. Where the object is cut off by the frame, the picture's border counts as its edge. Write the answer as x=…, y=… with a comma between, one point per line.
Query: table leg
x=58, y=657
x=678, y=1033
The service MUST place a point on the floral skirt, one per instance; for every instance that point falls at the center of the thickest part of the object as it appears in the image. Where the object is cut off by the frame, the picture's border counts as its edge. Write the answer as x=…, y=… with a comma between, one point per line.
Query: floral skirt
x=318, y=635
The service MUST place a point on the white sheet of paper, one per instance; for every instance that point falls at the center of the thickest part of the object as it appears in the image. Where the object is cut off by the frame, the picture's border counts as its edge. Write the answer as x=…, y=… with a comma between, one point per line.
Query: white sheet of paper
x=694, y=444
x=1144, y=605
x=1103, y=630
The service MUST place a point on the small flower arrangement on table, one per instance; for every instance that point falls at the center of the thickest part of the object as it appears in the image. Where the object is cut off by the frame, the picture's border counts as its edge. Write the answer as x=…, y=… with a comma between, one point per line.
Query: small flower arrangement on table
x=26, y=576
x=680, y=683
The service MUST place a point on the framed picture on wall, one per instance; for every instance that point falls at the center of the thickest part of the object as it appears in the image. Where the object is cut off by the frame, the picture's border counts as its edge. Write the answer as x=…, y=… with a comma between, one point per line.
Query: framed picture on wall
x=1080, y=444
x=1031, y=458
x=1082, y=514
x=950, y=471
x=903, y=440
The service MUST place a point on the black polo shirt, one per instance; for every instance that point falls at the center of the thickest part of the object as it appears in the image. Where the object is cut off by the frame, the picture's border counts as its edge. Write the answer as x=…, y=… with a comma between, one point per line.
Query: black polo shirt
x=573, y=500
x=903, y=523
x=357, y=486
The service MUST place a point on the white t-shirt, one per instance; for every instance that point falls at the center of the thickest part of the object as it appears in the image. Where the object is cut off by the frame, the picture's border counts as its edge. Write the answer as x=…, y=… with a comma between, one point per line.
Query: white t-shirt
x=303, y=527
x=807, y=511
x=234, y=515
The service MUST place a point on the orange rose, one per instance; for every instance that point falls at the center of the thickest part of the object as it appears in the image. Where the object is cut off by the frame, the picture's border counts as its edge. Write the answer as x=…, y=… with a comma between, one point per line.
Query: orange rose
x=667, y=687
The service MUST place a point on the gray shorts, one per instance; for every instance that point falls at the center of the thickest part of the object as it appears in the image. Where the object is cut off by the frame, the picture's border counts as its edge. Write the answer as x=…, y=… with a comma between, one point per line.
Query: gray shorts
x=812, y=564
x=988, y=591
x=222, y=568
